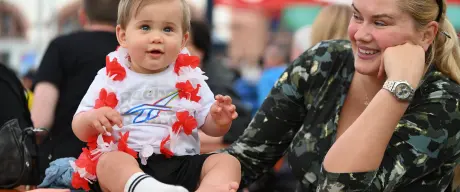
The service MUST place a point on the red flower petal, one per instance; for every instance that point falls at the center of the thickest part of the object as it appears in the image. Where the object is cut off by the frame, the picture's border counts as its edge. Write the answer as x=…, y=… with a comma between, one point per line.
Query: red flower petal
x=184, y=89
x=78, y=182
x=123, y=145
x=182, y=115
x=108, y=139
x=114, y=68
x=184, y=121
x=84, y=161
x=103, y=94
x=165, y=151
x=176, y=126
x=194, y=61
x=100, y=102
x=184, y=60
x=92, y=141
x=131, y=152
x=194, y=94
x=106, y=100
x=189, y=125
x=111, y=100
x=123, y=137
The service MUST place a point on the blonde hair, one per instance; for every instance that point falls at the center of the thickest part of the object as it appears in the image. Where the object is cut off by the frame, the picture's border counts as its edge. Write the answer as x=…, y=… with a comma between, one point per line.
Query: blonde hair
x=331, y=23
x=444, y=51
x=130, y=8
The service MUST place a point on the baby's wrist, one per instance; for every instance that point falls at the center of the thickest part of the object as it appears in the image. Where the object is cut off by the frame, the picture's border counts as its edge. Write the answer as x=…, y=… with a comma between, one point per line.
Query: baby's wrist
x=223, y=125
x=90, y=129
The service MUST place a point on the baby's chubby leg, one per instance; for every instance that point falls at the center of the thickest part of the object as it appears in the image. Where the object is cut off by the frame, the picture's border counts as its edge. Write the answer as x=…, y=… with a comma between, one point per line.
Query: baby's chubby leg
x=220, y=172
x=120, y=172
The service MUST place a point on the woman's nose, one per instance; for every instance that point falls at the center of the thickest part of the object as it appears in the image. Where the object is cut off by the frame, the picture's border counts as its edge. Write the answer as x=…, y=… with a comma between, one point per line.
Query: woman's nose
x=363, y=33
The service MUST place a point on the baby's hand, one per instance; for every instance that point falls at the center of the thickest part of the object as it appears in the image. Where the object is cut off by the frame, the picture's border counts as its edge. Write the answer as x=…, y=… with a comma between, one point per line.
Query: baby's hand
x=223, y=111
x=103, y=119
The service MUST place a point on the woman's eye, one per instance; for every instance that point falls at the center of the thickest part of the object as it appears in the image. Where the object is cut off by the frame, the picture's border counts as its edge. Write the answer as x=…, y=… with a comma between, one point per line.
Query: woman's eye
x=356, y=16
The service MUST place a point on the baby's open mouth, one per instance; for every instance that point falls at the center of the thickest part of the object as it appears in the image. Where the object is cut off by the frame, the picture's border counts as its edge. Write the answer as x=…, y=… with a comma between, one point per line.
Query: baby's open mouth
x=156, y=51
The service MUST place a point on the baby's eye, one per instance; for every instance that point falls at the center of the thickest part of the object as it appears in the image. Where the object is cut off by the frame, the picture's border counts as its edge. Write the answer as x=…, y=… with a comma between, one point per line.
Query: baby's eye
x=145, y=27
x=168, y=29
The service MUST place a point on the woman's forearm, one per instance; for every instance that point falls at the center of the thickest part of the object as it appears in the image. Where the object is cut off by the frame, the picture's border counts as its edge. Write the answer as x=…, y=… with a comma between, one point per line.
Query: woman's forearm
x=361, y=147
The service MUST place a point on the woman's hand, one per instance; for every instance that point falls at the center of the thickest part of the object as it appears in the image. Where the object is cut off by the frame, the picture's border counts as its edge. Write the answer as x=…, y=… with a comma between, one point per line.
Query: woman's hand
x=403, y=62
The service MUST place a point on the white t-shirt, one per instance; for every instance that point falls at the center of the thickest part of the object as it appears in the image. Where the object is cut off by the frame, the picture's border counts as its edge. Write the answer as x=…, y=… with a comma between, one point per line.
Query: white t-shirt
x=146, y=103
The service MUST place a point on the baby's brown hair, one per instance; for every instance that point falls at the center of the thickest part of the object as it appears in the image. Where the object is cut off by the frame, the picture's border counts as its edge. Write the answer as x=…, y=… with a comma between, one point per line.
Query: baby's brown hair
x=130, y=8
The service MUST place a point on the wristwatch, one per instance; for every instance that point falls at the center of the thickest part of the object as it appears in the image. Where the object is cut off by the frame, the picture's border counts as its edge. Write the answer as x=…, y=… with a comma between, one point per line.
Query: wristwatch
x=400, y=89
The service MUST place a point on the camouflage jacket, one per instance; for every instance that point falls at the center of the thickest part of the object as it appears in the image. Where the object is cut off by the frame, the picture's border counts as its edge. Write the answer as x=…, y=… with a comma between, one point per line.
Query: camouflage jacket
x=299, y=118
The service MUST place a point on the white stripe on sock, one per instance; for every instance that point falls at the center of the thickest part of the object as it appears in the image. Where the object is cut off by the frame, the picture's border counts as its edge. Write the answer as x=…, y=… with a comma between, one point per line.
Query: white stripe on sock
x=141, y=182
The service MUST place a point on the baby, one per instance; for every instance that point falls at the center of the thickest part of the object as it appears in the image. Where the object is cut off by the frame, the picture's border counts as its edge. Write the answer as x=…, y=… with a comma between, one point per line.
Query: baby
x=142, y=112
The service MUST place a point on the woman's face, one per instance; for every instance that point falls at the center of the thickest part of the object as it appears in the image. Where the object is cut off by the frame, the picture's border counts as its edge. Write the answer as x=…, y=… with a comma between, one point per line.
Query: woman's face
x=376, y=25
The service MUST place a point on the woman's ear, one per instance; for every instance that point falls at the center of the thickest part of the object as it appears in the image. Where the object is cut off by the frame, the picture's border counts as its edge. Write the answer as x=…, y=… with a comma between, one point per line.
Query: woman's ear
x=429, y=34
x=121, y=36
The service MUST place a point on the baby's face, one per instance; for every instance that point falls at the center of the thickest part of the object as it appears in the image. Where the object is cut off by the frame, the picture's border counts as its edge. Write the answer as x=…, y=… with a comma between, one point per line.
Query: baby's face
x=154, y=37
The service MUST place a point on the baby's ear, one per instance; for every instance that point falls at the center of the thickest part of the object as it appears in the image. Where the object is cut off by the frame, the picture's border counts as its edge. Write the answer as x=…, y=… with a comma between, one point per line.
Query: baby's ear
x=185, y=39
x=121, y=36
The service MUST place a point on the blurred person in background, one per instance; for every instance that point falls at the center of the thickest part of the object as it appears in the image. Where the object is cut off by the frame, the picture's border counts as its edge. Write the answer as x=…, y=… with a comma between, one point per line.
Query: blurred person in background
x=27, y=81
x=200, y=44
x=275, y=62
x=246, y=84
x=67, y=69
x=330, y=23
x=220, y=82
x=280, y=178
x=300, y=41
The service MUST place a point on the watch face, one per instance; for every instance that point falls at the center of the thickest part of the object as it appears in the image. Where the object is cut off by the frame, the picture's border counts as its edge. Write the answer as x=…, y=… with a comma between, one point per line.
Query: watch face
x=402, y=91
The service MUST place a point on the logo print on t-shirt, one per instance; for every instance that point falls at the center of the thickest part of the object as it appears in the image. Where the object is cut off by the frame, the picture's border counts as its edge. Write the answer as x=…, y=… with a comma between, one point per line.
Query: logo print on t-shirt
x=152, y=110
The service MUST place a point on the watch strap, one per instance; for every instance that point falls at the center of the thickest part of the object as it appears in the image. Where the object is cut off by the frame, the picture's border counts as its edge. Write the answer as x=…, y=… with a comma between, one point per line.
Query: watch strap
x=388, y=85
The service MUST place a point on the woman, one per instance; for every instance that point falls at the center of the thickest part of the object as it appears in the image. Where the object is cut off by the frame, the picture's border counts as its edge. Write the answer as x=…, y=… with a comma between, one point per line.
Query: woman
x=341, y=124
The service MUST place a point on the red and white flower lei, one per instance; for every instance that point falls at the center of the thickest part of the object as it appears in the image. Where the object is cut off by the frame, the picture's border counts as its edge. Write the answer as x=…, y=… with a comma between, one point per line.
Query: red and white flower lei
x=189, y=80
